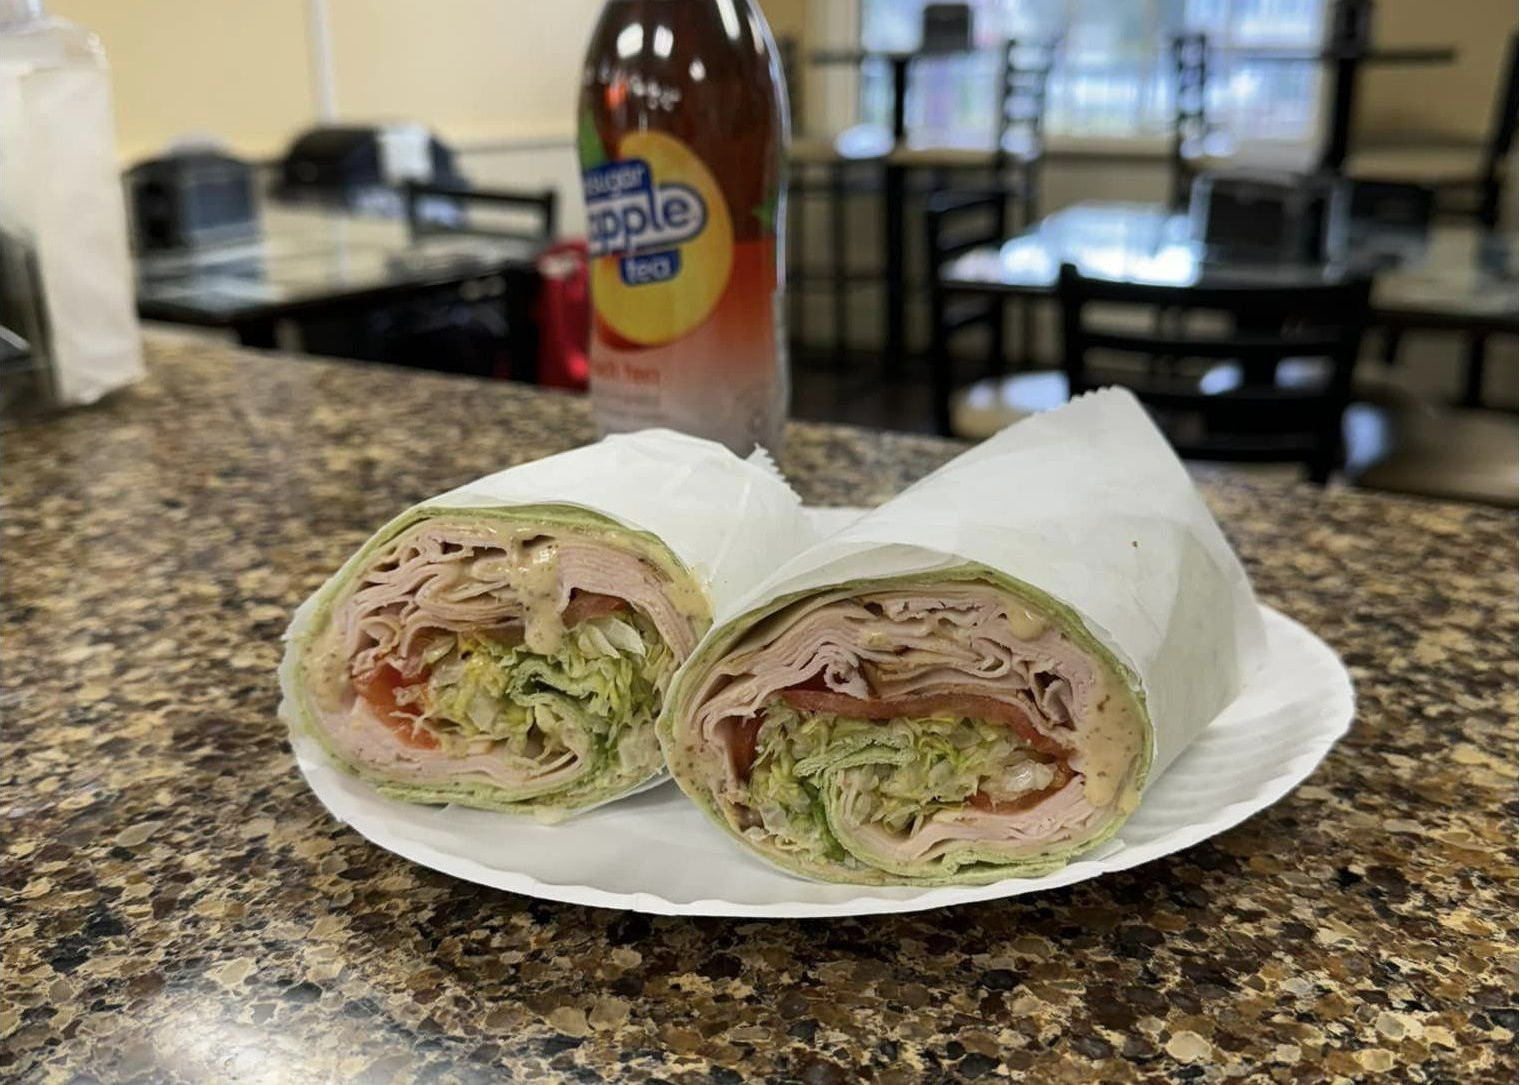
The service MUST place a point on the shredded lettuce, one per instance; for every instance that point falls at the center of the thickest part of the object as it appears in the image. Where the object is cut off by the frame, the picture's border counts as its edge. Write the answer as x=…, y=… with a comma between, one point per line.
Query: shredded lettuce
x=587, y=699
x=888, y=773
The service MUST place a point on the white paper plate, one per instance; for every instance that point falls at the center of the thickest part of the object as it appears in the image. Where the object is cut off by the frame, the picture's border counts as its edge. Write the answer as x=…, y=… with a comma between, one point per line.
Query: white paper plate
x=657, y=853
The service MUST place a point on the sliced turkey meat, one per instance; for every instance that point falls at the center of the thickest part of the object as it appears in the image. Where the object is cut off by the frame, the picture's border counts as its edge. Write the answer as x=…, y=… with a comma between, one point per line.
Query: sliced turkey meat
x=504, y=661
x=950, y=730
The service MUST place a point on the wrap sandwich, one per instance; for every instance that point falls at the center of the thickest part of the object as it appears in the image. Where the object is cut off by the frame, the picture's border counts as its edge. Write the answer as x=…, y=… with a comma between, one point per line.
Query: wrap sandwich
x=509, y=645
x=976, y=680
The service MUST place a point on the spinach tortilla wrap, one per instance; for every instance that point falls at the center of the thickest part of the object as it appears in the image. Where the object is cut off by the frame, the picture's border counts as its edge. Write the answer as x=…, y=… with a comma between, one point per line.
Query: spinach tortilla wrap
x=509, y=645
x=976, y=680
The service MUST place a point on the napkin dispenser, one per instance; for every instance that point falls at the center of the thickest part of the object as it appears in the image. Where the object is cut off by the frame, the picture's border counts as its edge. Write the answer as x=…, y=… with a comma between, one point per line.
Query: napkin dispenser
x=1260, y=217
x=66, y=285
x=946, y=28
x=362, y=168
x=190, y=200
x=1379, y=223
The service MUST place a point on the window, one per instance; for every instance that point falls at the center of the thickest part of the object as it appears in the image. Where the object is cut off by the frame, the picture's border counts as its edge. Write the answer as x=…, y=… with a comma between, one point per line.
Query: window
x=1113, y=75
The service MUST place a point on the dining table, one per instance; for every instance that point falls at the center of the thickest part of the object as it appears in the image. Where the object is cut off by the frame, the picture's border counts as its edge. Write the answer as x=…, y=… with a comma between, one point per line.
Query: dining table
x=179, y=907
x=319, y=262
x=1451, y=277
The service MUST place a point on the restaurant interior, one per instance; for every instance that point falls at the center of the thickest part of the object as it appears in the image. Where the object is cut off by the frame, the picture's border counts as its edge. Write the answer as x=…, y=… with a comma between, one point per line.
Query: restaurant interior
x=398, y=184
x=378, y=706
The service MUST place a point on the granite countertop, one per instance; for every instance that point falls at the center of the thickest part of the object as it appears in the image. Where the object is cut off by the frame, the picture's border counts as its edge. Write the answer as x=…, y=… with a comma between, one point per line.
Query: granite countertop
x=179, y=908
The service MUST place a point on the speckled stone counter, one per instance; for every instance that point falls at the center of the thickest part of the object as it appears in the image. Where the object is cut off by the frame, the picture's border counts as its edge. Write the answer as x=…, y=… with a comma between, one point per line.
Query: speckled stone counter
x=178, y=908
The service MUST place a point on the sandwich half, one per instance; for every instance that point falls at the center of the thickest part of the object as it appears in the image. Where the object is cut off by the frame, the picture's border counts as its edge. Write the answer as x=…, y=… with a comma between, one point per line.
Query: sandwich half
x=951, y=727
x=510, y=644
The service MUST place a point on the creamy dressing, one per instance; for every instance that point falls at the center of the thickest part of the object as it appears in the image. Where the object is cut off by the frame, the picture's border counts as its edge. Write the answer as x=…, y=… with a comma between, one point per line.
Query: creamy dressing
x=327, y=671
x=1025, y=624
x=1108, y=745
x=689, y=598
x=535, y=578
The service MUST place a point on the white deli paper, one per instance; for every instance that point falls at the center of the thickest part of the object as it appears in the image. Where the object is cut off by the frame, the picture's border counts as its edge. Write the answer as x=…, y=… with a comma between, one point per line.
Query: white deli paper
x=1089, y=504
x=729, y=521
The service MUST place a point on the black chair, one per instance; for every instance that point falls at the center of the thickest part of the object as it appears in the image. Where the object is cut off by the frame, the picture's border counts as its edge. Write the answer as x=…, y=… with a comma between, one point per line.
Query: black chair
x=1018, y=138
x=1012, y=168
x=831, y=171
x=344, y=166
x=433, y=209
x=1465, y=182
x=1190, y=126
x=1468, y=178
x=1367, y=214
x=485, y=327
x=1377, y=223
x=1501, y=139
x=1020, y=151
x=1255, y=416
x=956, y=223
x=945, y=28
x=1257, y=216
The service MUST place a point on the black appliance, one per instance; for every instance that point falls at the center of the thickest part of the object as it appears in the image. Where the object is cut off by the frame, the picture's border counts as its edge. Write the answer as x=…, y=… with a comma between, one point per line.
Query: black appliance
x=946, y=28
x=344, y=166
x=1379, y=222
x=1263, y=217
x=191, y=199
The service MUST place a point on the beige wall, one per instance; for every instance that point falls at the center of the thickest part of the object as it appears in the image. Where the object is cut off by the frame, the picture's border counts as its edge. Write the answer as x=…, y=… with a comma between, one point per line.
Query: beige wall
x=240, y=70
x=503, y=69
x=474, y=69
x=1453, y=100
x=236, y=70
x=787, y=18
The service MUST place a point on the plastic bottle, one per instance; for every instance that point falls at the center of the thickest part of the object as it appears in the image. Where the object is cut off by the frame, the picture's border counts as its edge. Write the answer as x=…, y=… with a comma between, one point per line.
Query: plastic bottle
x=682, y=137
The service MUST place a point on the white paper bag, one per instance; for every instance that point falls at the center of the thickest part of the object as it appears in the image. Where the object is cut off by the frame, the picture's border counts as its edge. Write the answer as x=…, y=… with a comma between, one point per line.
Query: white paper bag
x=61, y=198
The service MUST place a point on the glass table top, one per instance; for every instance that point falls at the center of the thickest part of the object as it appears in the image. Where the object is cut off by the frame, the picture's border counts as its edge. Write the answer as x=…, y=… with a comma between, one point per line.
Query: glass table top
x=1451, y=272
x=306, y=254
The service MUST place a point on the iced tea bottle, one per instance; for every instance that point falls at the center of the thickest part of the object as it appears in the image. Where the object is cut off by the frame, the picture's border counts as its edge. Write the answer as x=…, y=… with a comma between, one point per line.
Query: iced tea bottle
x=682, y=136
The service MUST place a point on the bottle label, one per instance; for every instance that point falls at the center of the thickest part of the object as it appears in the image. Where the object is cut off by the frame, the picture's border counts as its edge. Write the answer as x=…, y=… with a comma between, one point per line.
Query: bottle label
x=661, y=243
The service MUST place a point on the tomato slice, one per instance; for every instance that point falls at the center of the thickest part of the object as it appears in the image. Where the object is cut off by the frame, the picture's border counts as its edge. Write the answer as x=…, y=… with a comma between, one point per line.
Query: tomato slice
x=379, y=691
x=983, y=801
x=742, y=745
x=587, y=605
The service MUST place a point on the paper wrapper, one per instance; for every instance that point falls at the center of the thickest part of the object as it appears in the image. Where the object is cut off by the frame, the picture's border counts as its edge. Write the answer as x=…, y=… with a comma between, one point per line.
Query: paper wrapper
x=1089, y=505
x=729, y=521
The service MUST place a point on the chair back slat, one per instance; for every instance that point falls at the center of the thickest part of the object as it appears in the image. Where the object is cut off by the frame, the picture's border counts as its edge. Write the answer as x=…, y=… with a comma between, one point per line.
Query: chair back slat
x=1501, y=139
x=1190, y=124
x=1020, y=113
x=955, y=222
x=1244, y=348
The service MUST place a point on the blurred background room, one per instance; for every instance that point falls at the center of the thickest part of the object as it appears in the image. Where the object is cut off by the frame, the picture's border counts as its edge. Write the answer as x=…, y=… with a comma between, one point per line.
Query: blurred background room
x=1289, y=224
